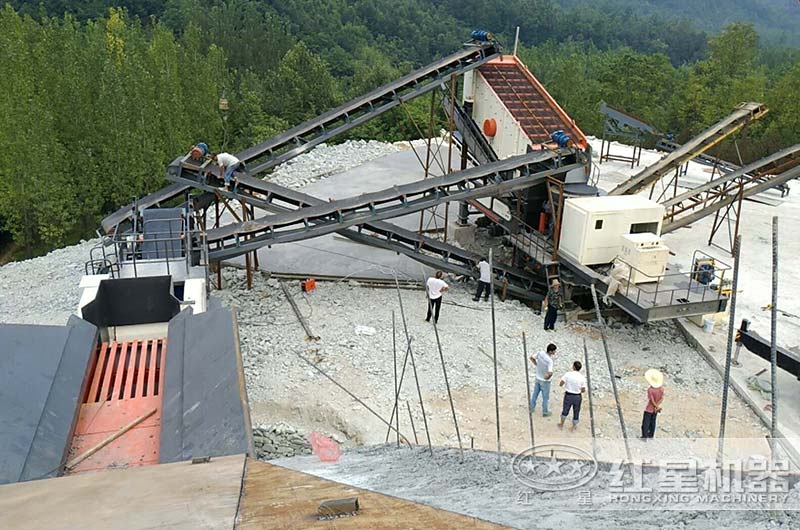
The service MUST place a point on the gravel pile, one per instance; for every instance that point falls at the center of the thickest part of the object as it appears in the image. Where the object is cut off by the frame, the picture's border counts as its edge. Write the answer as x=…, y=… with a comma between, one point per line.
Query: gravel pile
x=326, y=160
x=44, y=290
x=279, y=441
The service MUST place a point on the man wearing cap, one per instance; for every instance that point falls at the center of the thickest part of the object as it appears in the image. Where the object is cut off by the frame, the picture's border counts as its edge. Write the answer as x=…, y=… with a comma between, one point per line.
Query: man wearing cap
x=552, y=303
x=655, y=396
x=544, y=373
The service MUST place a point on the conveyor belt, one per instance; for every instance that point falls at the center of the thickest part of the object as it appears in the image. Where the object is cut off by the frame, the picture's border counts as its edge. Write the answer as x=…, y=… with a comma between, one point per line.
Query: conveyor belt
x=305, y=136
x=380, y=234
x=324, y=127
x=481, y=181
x=722, y=195
x=744, y=114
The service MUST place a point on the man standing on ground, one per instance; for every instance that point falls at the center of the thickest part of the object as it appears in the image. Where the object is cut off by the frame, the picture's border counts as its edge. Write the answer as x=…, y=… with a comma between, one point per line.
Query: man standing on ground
x=655, y=396
x=228, y=164
x=544, y=373
x=485, y=281
x=574, y=386
x=552, y=303
x=435, y=287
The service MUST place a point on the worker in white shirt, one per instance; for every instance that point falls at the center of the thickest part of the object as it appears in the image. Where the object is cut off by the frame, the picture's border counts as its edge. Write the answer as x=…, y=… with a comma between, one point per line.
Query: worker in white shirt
x=574, y=384
x=228, y=165
x=485, y=281
x=435, y=287
x=544, y=374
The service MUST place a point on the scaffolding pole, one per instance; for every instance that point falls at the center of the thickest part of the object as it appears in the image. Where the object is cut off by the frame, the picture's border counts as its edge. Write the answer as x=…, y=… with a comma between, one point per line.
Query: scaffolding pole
x=726, y=378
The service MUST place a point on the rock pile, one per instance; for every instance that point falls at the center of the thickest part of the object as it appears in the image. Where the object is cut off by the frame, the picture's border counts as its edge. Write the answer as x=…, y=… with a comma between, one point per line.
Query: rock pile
x=279, y=441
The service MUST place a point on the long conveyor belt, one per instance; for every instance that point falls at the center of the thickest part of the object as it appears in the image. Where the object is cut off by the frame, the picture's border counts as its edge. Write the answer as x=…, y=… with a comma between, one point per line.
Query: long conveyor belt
x=726, y=194
x=744, y=114
x=324, y=127
x=305, y=136
x=380, y=234
x=305, y=223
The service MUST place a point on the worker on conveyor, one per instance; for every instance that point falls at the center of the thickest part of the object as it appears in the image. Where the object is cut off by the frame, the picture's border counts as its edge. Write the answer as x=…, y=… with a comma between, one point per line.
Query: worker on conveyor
x=435, y=288
x=552, y=303
x=485, y=281
x=228, y=165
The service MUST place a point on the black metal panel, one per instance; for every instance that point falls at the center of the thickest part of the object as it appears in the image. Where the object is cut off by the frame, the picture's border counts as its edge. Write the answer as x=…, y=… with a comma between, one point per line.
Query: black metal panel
x=131, y=301
x=205, y=411
x=786, y=359
x=161, y=230
x=42, y=373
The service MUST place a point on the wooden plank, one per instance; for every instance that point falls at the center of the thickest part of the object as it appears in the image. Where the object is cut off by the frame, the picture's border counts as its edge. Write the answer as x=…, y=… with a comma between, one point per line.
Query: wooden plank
x=162, y=349
x=175, y=496
x=275, y=497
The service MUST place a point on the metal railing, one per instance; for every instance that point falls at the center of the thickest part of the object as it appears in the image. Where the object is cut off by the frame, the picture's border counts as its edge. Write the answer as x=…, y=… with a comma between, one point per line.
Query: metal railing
x=663, y=290
x=173, y=247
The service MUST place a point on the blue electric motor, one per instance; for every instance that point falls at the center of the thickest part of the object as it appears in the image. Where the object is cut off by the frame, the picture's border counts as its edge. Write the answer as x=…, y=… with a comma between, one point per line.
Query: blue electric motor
x=561, y=138
x=481, y=35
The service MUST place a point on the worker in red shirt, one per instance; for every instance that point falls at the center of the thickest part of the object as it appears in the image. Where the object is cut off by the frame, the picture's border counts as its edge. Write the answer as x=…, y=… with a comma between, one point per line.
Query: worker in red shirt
x=655, y=397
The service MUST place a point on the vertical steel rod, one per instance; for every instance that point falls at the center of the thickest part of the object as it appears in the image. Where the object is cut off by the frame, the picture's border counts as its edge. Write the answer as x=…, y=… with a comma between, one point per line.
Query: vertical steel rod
x=449, y=394
x=494, y=361
x=413, y=365
x=773, y=344
x=726, y=378
x=394, y=356
x=602, y=326
x=589, y=393
x=528, y=388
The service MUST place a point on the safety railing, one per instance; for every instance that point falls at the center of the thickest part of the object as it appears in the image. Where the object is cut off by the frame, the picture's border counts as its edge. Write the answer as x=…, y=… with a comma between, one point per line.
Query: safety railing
x=679, y=287
x=174, y=246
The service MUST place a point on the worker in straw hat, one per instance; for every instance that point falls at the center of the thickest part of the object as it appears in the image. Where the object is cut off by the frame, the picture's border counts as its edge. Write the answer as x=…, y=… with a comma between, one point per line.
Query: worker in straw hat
x=655, y=397
x=552, y=303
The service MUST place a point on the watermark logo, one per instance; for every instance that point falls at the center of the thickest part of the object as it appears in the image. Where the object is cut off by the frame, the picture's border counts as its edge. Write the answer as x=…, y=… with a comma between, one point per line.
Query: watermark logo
x=554, y=467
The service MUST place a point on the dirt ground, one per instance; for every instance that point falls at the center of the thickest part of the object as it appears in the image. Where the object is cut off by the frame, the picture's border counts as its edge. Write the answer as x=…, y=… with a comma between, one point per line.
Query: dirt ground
x=354, y=323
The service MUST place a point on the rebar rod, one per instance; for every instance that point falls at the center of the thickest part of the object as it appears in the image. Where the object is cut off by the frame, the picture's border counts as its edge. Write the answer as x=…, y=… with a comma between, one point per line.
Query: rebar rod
x=602, y=326
x=411, y=419
x=591, y=403
x=358, y=399
x=397, y=395
x=394, y=356
x=494, y=362
x=773, y=344
x=413, y=366
x=726, y=377
x=528, y=388
x=449, y=394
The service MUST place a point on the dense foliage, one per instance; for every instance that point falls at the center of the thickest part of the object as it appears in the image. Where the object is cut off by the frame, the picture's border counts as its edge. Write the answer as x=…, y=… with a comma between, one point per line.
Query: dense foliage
x=99, y=99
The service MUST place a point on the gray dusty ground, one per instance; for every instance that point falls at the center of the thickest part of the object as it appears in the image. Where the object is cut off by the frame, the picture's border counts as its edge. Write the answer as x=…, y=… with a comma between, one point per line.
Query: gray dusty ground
x=477, y=488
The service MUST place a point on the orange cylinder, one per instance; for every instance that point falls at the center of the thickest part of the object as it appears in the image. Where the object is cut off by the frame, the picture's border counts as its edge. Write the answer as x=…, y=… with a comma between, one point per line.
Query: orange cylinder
x=490, y=127
x=542, y=222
